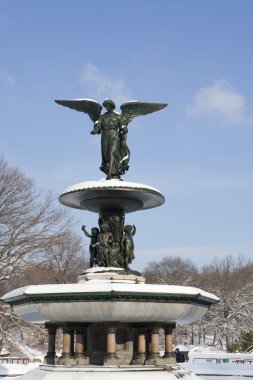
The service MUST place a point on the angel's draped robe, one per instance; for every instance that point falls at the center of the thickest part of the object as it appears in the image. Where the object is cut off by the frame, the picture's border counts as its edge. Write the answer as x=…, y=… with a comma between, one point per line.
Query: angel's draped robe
x=115, y=153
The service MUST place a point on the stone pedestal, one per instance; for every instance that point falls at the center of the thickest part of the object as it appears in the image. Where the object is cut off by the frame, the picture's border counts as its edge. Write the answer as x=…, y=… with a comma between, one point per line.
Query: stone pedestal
x=111, y=274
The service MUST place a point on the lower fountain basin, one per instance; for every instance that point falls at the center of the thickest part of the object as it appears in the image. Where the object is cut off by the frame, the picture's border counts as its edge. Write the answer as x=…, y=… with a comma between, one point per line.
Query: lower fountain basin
x=106, y=301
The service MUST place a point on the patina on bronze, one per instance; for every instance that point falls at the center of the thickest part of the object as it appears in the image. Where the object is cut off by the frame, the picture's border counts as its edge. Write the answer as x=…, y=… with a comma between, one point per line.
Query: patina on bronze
x=113, y=129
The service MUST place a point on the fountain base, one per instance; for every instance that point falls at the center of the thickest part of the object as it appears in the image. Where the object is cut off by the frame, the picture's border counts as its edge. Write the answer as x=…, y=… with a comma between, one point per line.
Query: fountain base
x=111, y=274
x=109, y=373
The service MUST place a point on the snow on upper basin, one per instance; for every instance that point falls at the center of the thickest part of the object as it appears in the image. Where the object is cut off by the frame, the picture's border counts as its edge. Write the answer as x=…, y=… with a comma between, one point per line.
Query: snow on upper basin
x=112, y=183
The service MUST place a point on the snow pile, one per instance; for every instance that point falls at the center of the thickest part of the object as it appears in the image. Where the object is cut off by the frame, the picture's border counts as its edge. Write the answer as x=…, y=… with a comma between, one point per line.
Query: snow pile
x=226, y=369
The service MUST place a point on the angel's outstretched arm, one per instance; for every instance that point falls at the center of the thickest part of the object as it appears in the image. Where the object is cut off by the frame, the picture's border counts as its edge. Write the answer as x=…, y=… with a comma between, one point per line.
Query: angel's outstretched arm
x=97, y=129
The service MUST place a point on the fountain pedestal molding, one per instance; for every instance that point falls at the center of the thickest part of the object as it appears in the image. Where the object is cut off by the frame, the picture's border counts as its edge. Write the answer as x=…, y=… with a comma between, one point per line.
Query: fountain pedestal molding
x=110, y=319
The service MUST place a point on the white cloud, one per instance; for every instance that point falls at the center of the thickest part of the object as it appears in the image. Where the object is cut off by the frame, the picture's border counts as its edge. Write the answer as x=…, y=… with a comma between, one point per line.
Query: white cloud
x=101, y=87
x=220, y=102
x=7, y=80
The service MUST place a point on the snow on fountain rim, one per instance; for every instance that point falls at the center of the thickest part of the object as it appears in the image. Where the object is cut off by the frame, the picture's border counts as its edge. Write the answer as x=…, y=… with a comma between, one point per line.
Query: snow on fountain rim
x=111, y=183
x=105, y=287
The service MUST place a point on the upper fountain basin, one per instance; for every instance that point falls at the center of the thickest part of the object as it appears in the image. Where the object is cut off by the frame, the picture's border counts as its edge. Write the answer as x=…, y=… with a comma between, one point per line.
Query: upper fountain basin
x=111, y=195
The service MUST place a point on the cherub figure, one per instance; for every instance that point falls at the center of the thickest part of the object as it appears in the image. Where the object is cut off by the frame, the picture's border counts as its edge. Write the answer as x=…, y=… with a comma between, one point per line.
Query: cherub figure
x=105, y=244
x=127, y=244
x=94, y=244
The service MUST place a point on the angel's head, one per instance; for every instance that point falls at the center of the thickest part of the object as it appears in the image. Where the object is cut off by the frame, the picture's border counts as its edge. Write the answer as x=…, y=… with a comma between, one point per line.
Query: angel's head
x=109, y=104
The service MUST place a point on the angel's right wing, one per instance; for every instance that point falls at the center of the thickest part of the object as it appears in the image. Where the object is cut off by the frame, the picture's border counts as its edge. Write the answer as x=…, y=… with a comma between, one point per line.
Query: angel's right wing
x=89, y=106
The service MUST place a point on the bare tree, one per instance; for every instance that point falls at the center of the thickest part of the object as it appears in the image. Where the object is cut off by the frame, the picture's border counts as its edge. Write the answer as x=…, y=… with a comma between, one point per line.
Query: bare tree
x=173, y=271
x=67, y=259
x=35, y=244
x=29, y=220
x=62, y=263
x=246, y=341
x=232, y=281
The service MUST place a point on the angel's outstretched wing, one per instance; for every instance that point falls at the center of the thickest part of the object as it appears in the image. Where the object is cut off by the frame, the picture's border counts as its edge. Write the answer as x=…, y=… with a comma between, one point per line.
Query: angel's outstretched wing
x=133, y=109
x=89, y=106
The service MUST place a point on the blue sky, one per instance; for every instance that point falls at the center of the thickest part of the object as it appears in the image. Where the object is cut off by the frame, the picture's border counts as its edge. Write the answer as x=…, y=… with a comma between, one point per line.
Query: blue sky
x=195, y=55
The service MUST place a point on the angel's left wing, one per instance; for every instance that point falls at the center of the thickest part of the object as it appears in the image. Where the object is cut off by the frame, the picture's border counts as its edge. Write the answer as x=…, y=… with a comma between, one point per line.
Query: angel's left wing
x=89, y=106
x=132, y=109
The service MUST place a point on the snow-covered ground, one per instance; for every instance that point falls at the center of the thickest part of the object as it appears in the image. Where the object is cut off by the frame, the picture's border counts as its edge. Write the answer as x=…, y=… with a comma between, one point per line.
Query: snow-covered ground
x=211, y=363
x=207, y=362
x=219, y=357
x=13, y=371
x=207, y=371
x=226, y=369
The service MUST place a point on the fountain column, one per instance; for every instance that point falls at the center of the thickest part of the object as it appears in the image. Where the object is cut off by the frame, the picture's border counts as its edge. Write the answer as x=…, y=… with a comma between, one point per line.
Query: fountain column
x=81, y=345
x=154, y=357
x=169, y=356
x=51, y=357
x=141, y=346
x=67, y=357
x=111, y=357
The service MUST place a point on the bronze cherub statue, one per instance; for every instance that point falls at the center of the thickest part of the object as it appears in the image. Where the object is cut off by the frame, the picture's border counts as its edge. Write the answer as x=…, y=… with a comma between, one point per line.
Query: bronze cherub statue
x=113, y=129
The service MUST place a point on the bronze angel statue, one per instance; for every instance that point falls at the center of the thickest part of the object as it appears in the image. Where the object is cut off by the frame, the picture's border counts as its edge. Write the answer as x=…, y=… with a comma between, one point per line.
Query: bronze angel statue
x=113, y=129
